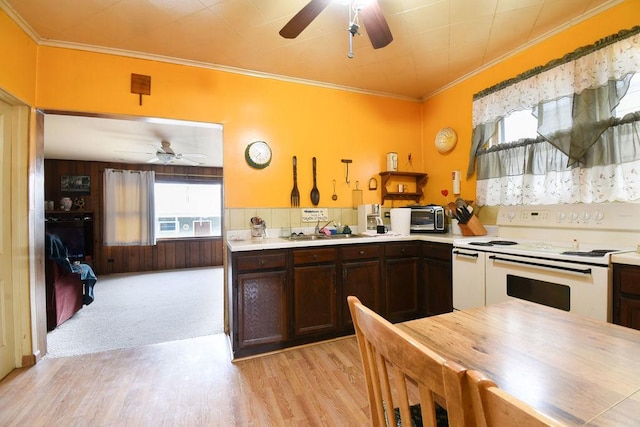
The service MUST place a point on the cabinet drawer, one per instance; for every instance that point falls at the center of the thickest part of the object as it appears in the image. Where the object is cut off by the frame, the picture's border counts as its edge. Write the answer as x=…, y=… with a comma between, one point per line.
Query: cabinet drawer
x=360, y=252
x=310, y=256
x=401, y=250
x=441, y=251
x=262, y=261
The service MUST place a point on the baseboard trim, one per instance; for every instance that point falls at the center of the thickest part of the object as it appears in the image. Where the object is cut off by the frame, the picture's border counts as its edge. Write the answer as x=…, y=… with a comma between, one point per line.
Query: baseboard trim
x=29, y=360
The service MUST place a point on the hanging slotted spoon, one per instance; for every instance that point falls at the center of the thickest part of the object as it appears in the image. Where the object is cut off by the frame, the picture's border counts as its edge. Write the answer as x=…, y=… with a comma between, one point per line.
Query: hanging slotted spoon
x=335, y=196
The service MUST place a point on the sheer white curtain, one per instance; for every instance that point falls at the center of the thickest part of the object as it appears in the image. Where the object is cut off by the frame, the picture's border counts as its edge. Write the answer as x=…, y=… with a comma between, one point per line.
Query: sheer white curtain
x=577, y=155
x=129, y=208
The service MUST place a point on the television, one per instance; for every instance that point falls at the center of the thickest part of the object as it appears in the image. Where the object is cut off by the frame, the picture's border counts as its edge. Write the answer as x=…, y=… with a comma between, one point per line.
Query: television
x=73, y=236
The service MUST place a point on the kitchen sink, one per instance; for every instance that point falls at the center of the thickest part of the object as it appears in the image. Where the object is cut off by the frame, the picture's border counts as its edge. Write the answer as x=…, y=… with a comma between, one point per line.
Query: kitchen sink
x=306, y=237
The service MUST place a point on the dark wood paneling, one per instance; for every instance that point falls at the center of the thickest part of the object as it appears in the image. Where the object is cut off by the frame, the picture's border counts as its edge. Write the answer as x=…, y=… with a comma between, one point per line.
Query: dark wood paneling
x=165, y=255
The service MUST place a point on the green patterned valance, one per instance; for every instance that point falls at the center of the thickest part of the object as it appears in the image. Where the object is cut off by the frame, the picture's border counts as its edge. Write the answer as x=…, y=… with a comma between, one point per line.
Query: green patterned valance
x=571, y=56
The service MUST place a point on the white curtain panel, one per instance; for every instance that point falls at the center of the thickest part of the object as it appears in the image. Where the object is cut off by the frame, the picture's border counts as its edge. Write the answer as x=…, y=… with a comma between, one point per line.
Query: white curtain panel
x=593, y=70
x=129, y=208
x=607, y=169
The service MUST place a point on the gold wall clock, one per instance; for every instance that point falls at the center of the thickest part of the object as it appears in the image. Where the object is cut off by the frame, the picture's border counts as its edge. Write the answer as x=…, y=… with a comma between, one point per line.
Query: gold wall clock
x=446, y=139
x=258, y=154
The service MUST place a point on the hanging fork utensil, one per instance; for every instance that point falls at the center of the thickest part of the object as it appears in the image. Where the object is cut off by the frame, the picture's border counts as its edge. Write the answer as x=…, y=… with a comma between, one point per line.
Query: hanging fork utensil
x=295, y=194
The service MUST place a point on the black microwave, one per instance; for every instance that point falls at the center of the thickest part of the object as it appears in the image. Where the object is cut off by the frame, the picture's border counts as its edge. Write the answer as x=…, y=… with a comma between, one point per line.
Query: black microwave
x=428, y=219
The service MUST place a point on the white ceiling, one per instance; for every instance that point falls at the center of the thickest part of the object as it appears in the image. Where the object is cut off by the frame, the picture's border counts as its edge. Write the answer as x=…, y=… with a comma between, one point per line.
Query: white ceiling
x=436, y=42
x=130, y=141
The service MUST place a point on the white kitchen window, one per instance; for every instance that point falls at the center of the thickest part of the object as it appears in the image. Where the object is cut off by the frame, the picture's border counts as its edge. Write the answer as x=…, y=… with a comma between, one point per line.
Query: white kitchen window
x=631, y=101
x=573, y=147
x=187, y=209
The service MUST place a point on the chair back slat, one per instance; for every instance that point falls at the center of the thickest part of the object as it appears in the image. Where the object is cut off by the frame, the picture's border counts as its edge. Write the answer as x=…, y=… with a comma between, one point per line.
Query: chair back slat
x=494, y=407
x=388, y=351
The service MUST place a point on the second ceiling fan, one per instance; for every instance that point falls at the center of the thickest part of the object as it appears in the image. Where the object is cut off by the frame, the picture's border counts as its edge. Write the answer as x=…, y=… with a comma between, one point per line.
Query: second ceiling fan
x=368, y=11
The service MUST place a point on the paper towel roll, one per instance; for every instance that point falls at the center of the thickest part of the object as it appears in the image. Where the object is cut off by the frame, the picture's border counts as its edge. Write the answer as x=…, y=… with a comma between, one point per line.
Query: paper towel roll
x=401, y=220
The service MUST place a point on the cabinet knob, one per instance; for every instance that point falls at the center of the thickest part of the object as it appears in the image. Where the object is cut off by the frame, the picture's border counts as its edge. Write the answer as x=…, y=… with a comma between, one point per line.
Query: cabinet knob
x=261, y=262
x=403, y=250
x=361, y=252
x=315, y=256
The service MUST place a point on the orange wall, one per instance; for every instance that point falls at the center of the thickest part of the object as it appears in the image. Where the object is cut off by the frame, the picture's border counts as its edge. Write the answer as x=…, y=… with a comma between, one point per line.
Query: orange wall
x=452, y=108
x=17, y=61
x=294, y=119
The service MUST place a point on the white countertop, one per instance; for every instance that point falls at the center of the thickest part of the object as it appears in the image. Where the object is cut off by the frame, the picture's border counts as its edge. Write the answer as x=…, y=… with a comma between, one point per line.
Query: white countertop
x=630, y=258
x=256, y=244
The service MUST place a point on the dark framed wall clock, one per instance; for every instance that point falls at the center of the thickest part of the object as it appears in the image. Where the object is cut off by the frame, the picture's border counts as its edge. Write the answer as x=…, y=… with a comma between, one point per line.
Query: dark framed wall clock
x=258, y=154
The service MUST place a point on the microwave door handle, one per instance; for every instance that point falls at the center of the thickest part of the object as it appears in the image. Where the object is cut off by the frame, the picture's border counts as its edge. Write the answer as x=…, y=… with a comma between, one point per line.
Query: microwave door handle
x=585, y=271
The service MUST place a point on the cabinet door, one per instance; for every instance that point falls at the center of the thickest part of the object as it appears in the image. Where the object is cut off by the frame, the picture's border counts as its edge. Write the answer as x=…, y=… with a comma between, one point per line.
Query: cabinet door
x=401, y=288
x=436, y=279
x=436, y=287
x=362, y=279
x=261, y=308
x=314, y=299
x=630, y=312
x=626, y=295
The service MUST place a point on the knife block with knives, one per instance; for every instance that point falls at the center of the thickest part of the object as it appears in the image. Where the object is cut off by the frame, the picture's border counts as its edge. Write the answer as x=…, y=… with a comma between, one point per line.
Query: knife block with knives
x=469, y=224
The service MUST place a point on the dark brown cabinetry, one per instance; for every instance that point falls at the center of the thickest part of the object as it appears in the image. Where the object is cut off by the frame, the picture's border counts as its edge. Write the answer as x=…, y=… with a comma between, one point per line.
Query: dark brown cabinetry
x=314, y=291
x=626, y=295
x=360, y=277
x=436, y=291
x=259, y=309
x=285, y=297
x=401, y=281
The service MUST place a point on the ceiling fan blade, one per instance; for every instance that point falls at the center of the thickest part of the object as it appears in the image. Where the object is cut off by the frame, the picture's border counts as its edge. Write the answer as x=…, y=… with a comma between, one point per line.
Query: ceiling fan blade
x=376, y=25
x=188, y=161
x=302, y=19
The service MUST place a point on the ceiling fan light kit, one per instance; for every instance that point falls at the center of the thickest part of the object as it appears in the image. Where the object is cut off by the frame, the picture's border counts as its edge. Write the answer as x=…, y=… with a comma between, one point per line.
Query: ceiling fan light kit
x=369, y=10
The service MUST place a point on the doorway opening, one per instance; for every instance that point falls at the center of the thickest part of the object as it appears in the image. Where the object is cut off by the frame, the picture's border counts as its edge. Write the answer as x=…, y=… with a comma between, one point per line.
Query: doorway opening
x=146, y=290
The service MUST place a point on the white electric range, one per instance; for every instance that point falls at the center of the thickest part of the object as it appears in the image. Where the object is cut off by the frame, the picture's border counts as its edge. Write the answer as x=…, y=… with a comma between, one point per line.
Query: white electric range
x=556, y=255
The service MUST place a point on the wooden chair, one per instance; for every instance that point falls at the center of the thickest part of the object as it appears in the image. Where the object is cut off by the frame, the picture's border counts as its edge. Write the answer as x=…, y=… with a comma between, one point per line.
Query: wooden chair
x=390, y=354
x=495, y=407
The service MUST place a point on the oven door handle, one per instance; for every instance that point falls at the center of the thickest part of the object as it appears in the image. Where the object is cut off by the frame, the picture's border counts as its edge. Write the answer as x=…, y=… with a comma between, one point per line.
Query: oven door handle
x=471, y=255
x=585, y=271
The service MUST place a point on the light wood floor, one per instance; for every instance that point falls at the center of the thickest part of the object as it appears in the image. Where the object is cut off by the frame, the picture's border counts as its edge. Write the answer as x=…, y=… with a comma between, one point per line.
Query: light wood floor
x=191, y=383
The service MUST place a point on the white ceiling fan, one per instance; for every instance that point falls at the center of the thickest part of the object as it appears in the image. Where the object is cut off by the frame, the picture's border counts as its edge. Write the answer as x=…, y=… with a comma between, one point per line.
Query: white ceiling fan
x=166, y=155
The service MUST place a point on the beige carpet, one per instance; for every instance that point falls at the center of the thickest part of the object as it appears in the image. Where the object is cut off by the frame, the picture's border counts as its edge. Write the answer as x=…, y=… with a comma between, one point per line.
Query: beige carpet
x=132, y=310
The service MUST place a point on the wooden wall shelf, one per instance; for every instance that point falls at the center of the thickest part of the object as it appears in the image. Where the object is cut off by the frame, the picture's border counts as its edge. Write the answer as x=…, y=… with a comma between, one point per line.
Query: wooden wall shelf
x=386, y=177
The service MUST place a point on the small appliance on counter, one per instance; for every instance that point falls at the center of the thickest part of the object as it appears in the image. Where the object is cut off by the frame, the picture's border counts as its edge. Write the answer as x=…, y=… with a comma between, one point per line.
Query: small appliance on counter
x=369, y=217
x=401, y=221
x=428, y=219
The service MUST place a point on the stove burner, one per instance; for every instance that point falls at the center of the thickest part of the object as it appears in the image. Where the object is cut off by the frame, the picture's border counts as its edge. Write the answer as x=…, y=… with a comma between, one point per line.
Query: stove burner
x=494, y=243
x=592, y=253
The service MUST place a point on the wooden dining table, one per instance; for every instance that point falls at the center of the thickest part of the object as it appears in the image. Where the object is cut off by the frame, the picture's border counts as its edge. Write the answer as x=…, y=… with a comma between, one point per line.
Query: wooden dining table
x=577, y=370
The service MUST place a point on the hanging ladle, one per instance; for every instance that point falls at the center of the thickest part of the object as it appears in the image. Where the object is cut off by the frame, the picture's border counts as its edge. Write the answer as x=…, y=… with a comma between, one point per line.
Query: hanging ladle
x=335, y=196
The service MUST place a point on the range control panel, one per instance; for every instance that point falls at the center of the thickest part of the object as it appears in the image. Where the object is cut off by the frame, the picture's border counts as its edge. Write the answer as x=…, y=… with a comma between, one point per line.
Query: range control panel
x=601, y=216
